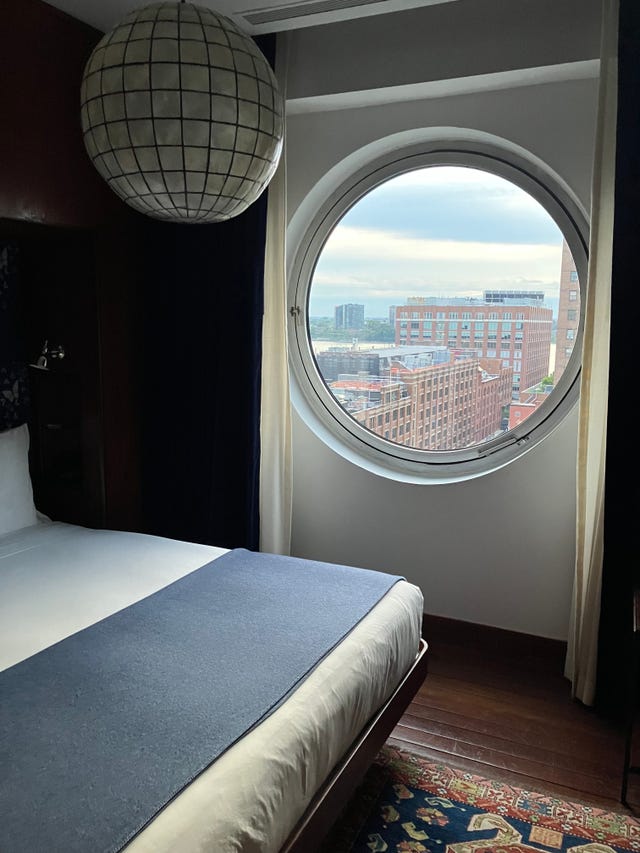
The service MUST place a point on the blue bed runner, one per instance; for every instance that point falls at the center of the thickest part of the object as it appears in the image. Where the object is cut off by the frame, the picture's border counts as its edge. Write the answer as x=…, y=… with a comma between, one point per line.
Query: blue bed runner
x=101, y=730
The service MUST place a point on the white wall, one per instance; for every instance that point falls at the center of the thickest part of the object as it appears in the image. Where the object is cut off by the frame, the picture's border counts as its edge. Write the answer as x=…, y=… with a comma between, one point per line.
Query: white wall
x=496, y=550
x=446, y=41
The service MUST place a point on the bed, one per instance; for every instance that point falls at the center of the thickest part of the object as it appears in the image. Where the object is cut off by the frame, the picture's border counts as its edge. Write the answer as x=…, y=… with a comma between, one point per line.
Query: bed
x=279, y=785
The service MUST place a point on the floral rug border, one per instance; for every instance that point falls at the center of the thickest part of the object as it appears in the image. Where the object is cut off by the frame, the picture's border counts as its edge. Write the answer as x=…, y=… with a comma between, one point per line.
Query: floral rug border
x=592, y=823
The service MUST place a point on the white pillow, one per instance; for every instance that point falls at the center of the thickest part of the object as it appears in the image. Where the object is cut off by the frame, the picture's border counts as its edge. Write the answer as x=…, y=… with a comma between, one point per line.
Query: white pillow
x=17, y=509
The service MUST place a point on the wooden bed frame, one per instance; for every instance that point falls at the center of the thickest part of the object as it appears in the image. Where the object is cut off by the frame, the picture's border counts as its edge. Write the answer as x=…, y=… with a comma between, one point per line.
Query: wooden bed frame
x=308, y=834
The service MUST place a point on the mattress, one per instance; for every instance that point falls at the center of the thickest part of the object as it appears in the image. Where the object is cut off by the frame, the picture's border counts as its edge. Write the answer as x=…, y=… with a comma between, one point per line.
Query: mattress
x=56, y=579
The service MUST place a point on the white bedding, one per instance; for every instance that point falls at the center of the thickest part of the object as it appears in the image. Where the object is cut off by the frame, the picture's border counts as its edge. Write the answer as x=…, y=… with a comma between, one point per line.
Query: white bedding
x=56, y=579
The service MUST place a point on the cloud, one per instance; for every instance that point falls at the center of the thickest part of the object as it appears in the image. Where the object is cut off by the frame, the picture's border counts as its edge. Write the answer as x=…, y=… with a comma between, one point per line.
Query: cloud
x=380, y=268
x=372, y=244
x=440, y=231
x=448, y=202
x=448, y=176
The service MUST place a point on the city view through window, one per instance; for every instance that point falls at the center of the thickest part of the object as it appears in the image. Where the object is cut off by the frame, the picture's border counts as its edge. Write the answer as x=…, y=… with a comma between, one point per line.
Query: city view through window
x=443, y=308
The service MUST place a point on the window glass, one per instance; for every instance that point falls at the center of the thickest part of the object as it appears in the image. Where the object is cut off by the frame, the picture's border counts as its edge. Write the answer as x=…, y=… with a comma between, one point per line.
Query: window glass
x=447, y=241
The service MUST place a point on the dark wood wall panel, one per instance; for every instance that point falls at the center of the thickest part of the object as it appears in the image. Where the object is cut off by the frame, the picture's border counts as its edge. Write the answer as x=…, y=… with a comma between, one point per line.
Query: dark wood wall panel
x=46, y=174
x=78, y=255
x=119, y=329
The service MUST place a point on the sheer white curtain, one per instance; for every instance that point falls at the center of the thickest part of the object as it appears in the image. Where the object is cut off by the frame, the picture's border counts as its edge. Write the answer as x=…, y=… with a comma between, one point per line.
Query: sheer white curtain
x=275, y=422
x=581, y=662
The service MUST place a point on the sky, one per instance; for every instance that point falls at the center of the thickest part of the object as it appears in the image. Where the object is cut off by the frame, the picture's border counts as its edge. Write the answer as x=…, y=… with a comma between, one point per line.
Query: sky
x=437, y=231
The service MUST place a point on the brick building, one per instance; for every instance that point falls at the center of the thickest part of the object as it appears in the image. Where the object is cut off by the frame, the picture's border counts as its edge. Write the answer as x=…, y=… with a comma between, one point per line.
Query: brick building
x=442, y=407
x=568, y=312
x=517, y=331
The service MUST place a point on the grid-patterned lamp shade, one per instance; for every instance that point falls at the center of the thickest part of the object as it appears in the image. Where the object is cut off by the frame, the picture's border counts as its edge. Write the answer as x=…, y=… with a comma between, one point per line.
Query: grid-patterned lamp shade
x=181, y=114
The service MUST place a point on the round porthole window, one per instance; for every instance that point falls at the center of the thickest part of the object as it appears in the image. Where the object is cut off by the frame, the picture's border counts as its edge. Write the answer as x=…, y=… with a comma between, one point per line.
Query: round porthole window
x=438, y=304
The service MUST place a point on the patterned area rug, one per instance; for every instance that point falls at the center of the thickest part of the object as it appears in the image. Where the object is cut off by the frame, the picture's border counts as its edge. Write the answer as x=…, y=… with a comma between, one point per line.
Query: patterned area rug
x=407, y=805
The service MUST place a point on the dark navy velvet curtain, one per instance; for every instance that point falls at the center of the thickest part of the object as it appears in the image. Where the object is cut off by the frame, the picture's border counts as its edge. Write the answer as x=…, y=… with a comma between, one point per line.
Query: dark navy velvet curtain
x=621, y=563
x=201, y=321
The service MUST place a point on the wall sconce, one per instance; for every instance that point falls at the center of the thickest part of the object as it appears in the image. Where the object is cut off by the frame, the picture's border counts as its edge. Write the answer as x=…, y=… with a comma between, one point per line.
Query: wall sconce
x=56, y=353
x=181, y=114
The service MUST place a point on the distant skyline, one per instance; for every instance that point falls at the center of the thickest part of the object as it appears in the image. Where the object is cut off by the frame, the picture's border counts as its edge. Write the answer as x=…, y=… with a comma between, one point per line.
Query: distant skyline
x=445, y=231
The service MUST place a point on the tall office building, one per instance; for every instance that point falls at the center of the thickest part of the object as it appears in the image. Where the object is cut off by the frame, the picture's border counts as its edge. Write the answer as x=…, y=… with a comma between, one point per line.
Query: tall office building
x=349, y=316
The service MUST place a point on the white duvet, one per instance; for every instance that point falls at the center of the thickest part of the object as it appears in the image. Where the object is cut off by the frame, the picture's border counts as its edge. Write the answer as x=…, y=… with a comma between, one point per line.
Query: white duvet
x=56, y=579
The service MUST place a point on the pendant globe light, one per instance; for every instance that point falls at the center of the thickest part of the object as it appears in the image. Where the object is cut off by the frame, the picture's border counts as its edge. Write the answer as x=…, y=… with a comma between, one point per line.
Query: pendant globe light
x=181, y=114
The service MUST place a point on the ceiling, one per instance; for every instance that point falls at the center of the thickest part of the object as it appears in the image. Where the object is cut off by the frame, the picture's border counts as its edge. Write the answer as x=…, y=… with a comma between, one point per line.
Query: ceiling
x=252, y=16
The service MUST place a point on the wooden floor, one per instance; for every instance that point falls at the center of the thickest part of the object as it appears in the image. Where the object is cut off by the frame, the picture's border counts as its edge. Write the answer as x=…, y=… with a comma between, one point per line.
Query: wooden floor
x=497, y=704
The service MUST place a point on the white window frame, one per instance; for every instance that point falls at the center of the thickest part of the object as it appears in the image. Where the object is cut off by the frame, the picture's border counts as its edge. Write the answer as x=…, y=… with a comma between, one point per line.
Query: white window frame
x=310, y=395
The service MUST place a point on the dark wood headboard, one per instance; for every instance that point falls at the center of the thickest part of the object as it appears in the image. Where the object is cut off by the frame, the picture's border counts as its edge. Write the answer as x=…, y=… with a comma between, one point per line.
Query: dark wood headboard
x=83, y=419
x=56, y=281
